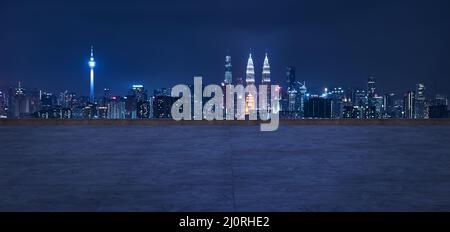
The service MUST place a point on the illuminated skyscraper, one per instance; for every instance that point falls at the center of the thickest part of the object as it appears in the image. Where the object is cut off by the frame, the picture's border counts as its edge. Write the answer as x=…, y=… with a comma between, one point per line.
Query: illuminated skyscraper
x=3, y=106
x=266, y=71
x=250, y=80
x=371, y=87
x=409, y=105
x=290, y=75
x=91, y=66
x=250, y=74
x=228, y=74
x=420, y=109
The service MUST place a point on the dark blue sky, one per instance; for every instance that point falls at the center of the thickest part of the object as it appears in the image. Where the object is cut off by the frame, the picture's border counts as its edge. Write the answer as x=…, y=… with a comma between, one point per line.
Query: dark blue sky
x=45, y=44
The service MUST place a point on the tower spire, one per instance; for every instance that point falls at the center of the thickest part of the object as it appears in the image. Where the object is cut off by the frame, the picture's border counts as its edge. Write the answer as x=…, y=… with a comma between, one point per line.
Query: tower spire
x=91, y=83
x=250, y=78
x=266, y=71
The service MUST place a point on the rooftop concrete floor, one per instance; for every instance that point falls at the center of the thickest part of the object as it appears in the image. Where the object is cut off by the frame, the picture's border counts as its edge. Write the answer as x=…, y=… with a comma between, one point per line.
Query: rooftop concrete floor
x=224, y=168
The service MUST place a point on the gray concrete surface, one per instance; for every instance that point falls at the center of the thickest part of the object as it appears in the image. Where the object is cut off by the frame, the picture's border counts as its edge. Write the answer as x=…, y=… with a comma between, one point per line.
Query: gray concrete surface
x=224, y=168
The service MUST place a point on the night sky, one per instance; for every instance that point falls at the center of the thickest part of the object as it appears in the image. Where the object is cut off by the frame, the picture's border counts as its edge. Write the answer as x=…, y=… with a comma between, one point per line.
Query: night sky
x=45, y=44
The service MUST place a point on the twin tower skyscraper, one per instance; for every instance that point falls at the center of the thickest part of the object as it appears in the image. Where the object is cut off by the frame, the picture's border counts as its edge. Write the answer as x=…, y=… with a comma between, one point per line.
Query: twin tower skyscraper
x=250, y=72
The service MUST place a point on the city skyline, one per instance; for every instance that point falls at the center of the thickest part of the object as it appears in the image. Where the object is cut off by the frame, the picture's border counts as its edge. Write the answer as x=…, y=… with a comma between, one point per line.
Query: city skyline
x=160, y=44
x=294, y=99
x=257, y=73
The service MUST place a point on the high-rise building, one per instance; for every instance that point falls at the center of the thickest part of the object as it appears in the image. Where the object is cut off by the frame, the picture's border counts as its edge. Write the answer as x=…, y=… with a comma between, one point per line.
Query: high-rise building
x=250, y=73
x=63, y=99
x=116, y=108
x=140, y=92
x=371, y=87
x=3, y=105
x=162, y=106
x=250, y=80
x=337, y=96
x=143, y=109
x=102, y=112
x=91, y=83
x=318, y=107
x=440, y=100
x=290, y=75
x=47, y=100
x=162, y=92
x=266, y=71
x=408, y=102
x=228, y=80
x=420, y=109
x=378, y=105
x=136, y=98
x=290, y=93
x=439, y=107
x=370, y=109
x=388, y=106
x=106, y=96
x=90, y=111
x=18, y=103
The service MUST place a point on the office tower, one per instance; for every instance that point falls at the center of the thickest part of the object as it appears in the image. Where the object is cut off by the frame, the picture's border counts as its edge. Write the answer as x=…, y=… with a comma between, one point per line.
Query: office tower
x=378, y=105
x=3, y=105
x=143, y=109
x=116, y=108
x=359, y=99
x=266, y=72
x=388, y=106
x=440, y=100
x=106, y=96
x=162, y=106
x=162, y=92
x=90, y=111
x=250, y=73
x=301, y=97
x=139, y=92
x=408, y=102
x=71, y=100
x=63, y=99
x=439, y=107
x=18, y=103
x=420, y=109
x=137, y=96
x=47, y=100
x=151, y=113
x=228, y=80
x=371, y=87
x=289, y=101
x=337, y=95
x=370, y=109
x=266, y=81
x=91, y=84
x=292, y=97
x=102, y=112
x=290, y=75
x=130, y=106
x=318, y=107
x=250, y=80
